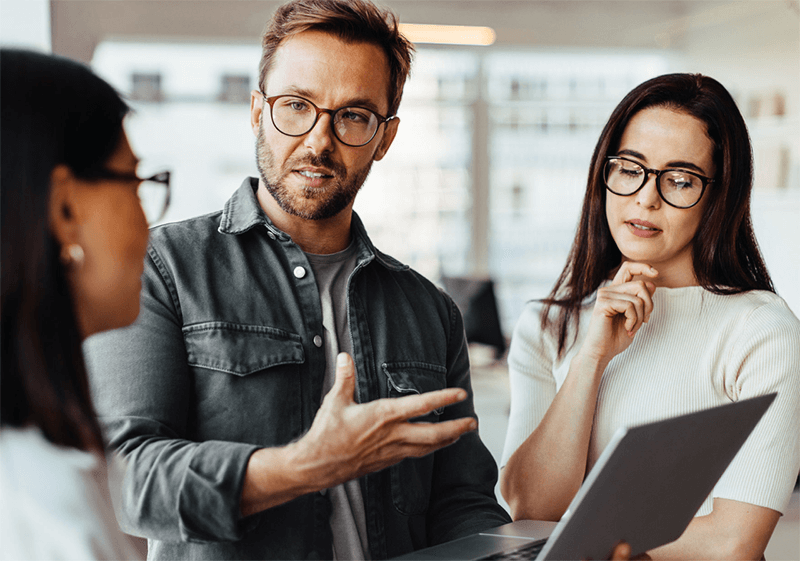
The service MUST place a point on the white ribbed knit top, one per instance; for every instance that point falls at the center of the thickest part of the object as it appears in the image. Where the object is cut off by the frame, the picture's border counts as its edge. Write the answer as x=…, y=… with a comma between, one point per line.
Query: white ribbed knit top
x=698, y=350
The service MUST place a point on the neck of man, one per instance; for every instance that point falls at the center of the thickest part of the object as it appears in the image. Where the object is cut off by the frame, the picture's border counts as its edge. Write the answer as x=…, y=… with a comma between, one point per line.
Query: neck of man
x=322, y=237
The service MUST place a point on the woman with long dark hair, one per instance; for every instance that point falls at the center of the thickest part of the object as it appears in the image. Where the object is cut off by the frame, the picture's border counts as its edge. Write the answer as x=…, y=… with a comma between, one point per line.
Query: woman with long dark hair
x=664, y=307
x=74, y=236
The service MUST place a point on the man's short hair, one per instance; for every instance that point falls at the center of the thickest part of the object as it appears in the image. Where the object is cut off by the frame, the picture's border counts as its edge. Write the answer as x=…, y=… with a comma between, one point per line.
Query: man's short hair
x=354, y=21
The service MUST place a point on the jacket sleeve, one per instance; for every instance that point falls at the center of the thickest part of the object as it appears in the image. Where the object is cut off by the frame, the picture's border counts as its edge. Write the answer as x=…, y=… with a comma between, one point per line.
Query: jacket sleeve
x=465, y=474
x=173, y=488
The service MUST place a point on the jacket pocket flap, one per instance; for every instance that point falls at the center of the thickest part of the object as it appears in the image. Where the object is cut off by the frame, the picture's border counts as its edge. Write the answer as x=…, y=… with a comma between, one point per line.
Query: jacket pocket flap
x=408, y=378
x=240, y=349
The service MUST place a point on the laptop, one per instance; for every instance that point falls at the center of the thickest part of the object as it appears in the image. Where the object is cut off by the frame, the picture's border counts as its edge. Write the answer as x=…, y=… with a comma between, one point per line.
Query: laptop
x=645, y=488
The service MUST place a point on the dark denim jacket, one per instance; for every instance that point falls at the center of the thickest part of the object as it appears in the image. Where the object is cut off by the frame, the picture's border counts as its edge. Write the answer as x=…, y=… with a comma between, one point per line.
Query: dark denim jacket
x=222, y=361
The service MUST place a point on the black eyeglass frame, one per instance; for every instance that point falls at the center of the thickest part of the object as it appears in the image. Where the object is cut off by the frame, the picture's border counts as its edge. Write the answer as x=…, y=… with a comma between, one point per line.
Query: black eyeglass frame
x=647, y=171
x=381, y=119
x=162, y=177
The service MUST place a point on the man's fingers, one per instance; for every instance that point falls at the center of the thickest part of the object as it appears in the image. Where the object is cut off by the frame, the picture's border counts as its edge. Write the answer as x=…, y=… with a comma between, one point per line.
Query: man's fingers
x=345, y=383
x=622, y=552
x=411, y=406
x=436, y=434
x=420, y=439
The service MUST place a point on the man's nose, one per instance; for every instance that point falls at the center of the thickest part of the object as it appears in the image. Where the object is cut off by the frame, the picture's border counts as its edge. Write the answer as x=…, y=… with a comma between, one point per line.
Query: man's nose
x=320, y=138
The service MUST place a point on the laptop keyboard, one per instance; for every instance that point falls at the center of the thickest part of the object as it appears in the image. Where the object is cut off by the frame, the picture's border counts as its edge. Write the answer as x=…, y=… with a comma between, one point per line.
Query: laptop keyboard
x=529, y=551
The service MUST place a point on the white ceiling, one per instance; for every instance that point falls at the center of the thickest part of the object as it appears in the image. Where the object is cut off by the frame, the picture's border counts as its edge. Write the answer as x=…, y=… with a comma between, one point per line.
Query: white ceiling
x=79, y=25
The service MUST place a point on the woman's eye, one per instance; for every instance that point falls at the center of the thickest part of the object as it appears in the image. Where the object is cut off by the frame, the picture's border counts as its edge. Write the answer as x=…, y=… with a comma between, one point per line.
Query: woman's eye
x=681, y=182
x=633, y=172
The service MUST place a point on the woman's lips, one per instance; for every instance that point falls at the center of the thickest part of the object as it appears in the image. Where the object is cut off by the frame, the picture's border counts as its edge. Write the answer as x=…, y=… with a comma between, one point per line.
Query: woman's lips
x=642, y=228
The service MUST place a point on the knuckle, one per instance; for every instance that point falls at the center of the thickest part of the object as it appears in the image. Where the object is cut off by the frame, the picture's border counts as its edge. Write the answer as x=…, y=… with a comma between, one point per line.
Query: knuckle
x=384, y=412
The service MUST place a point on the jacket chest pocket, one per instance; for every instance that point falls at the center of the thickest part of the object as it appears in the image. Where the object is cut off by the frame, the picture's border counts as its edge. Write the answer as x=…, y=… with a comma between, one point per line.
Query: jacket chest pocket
x=411, y=478
x=247, y=382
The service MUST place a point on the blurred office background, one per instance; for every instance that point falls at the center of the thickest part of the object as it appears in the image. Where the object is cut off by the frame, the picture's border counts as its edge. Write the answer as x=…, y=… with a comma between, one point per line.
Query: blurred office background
x=487, y=173
x=488, y=170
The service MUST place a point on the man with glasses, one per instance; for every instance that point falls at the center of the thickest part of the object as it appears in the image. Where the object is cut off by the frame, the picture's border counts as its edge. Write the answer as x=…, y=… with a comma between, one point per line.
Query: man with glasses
x=242, y=436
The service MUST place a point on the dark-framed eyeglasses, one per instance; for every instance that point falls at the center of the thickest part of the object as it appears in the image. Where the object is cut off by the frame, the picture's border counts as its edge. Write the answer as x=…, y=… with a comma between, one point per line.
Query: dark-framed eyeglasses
x=679, y=188
x=153, y=191
x=353, y=126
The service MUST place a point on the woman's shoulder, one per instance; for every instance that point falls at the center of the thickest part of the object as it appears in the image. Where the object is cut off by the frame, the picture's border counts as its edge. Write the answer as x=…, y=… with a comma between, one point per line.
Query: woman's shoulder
x=39, y=471
x=532, y=334
x=529, y=323
x=752, y=304
x=27, y=446
x=760, y=307
x=55, y=501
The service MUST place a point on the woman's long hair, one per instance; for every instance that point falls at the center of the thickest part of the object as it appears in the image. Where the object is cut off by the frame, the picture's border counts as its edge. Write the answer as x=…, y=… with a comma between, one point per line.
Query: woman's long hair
x=52, y=111
x=725, y=254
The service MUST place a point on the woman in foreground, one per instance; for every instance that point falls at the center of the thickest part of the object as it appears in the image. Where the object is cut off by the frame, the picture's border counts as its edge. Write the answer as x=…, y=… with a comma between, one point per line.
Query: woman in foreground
x=74, y=237
x=664, y=307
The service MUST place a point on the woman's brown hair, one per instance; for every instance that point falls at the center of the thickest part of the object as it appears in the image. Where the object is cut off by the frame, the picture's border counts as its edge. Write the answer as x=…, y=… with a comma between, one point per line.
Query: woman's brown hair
x=52, y=111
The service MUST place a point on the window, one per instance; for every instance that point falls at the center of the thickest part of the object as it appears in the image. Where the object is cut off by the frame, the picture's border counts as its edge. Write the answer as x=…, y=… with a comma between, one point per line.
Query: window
x=146, y=87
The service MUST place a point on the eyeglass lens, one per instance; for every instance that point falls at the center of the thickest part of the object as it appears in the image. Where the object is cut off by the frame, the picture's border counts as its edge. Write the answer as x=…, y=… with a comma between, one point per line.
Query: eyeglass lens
x=295, y=116
x=154, y=198
x=677, y=187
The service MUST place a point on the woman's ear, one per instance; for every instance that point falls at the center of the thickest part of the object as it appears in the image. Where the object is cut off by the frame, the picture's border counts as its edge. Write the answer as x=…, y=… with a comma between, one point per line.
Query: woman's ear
x=62, y=211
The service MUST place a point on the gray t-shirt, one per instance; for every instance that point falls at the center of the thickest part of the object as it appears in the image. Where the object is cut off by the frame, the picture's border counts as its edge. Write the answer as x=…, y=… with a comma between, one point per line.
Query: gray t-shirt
x=348, y=521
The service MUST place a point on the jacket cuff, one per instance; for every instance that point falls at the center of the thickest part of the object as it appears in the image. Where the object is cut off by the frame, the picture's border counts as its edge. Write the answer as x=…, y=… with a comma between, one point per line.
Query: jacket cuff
x=211, y=491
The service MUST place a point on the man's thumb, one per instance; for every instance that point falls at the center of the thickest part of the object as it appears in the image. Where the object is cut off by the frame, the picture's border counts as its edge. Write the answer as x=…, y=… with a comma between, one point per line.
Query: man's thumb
x=345, y=383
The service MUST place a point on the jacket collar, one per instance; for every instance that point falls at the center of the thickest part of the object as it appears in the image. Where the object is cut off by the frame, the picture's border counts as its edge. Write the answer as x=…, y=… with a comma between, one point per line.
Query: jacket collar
x=242, y=213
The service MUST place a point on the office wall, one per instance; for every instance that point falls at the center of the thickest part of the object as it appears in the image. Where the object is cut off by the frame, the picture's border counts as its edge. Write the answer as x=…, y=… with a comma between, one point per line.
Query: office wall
x=25, y=23
x=753, y=48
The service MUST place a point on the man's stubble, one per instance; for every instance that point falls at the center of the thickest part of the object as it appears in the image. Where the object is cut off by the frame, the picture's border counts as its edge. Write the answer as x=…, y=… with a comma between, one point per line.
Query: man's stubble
x=330, y=201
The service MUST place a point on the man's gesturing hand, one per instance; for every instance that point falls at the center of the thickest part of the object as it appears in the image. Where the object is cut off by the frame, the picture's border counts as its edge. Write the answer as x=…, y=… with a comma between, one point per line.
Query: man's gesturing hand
x=348, y=440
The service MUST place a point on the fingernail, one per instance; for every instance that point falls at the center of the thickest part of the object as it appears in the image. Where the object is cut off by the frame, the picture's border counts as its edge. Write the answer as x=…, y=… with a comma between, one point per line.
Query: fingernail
x=341, y=360
x=473, y=425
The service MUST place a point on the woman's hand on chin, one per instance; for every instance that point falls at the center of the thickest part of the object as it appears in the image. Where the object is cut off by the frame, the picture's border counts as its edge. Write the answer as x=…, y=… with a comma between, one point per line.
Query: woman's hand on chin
x=620, y=311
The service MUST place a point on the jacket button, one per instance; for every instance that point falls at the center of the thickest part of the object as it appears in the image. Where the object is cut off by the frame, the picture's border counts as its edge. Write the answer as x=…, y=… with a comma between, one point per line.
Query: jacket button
x=317, y=341
x=299, y=272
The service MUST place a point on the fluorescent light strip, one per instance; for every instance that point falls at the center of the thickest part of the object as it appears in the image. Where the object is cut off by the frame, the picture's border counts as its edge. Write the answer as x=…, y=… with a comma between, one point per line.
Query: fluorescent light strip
x=448, y=34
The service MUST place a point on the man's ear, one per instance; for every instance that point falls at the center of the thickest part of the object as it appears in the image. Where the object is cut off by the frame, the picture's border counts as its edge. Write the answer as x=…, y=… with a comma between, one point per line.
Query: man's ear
x=63, y=215
x=387, y=139
x=256, y=107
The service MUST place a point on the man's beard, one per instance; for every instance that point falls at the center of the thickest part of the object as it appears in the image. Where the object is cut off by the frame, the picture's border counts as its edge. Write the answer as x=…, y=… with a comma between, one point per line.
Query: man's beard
x=309, y=203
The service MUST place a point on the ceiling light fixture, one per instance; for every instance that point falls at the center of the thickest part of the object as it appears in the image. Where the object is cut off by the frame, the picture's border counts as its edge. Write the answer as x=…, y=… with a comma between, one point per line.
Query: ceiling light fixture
x=448, y=34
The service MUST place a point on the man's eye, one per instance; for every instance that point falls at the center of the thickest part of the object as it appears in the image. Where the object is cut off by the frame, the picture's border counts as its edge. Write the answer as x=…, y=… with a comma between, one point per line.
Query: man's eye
x=354, y=116
x=298, y=105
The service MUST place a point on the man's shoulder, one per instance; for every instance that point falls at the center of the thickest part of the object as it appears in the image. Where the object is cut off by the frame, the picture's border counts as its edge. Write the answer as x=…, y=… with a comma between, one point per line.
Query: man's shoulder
x=417, y=290
x=407, y=274
x=186, y=233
